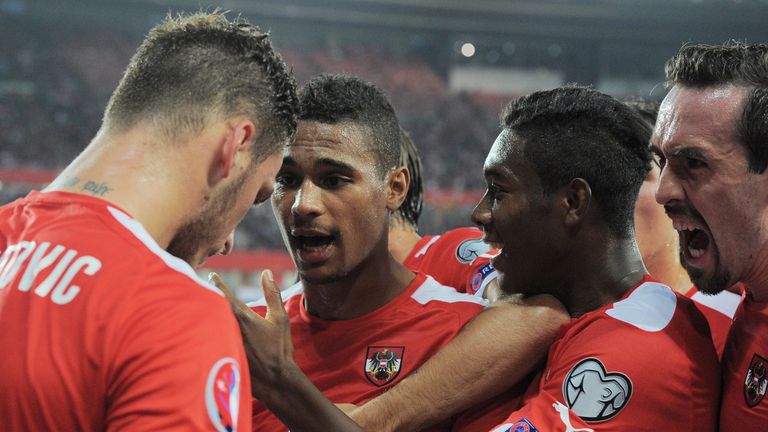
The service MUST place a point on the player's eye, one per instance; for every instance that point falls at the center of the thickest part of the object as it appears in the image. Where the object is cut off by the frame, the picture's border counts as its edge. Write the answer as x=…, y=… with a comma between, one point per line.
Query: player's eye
x=286, y=180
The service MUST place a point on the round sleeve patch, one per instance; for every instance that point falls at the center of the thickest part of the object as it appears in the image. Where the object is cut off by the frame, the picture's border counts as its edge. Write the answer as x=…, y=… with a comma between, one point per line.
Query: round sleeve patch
x=470, y=249
x=222, y=394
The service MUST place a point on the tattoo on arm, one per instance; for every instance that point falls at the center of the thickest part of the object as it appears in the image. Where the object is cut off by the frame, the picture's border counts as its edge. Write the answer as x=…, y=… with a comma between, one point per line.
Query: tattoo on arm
x=97, y=189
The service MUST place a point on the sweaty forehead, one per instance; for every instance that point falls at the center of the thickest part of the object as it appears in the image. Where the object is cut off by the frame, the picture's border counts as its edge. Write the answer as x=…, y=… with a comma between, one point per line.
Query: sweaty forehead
x=699, y=117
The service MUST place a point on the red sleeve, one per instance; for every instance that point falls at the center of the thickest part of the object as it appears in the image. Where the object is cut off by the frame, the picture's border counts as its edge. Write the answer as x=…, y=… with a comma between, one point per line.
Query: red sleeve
x=177, y=363
x=481, y=273
x=614, y=376
x=455, y=259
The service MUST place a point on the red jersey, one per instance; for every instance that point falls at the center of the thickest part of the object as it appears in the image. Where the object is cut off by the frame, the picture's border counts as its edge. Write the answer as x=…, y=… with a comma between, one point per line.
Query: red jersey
x=101, y=329
x=353, y=361
x=745, y=370
x=719, y=310
x=644, y=363
x=457, y=258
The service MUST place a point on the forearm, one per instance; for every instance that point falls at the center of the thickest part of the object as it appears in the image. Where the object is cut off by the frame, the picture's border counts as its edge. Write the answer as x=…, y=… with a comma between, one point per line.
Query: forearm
x=503, y=345
x=301, y=406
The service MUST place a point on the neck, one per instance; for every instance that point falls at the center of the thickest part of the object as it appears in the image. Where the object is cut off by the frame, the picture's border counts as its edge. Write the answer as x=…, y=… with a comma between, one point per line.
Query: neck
x=402, y=239
x=129, y=171
x=602, y=276
x=668, y=270
x=373, y=284
x=756, y=280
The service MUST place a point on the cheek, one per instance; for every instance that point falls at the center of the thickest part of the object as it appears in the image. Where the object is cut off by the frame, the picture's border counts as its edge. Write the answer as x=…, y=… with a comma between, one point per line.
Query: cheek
x=281, y=205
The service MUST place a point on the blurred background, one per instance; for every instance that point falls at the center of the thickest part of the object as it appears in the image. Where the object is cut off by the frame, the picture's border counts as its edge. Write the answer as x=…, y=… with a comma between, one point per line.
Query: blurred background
x=448, y=66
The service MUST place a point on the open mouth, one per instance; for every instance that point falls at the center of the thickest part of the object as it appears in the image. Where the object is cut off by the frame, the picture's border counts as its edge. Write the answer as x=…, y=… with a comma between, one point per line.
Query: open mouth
x=694, y=242
x=314, y=242
x=312, y=246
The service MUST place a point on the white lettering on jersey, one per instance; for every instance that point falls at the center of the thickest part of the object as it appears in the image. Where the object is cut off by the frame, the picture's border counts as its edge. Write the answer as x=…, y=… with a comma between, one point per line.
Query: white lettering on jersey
x=12, y=259
x=566, y=418
x=58, y=283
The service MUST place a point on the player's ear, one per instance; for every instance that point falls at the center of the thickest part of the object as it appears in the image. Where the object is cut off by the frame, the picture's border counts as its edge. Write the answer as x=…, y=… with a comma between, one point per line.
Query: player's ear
x=398, y=181
x=574, y=202
x=233, y=150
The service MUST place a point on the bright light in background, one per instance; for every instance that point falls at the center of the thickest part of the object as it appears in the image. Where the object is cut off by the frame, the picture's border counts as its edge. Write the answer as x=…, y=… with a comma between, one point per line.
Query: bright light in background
x=467, y=50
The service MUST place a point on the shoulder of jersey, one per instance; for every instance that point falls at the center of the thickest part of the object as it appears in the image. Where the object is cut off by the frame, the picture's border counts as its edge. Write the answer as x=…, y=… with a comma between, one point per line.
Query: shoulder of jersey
x=649, y=307
x=167, y=264
x=431, y=292
x=467, y=244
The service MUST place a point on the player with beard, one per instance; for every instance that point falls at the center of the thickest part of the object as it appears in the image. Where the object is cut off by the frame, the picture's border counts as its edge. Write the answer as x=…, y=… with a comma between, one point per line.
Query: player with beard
x=658, y=243
x=100, y=327
x=711, y=133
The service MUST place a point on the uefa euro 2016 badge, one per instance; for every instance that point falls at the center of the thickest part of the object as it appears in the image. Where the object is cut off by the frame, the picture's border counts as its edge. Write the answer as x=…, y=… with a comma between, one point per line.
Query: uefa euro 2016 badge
x=470, y=249
x=383, y=364
x=756, y=381
x=593, y=393
x=222, y=394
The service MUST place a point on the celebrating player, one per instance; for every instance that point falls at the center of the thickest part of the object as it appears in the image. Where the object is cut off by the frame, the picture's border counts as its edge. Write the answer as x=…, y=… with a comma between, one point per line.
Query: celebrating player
x=100, y=327
x=360, y=321
x=711, y=133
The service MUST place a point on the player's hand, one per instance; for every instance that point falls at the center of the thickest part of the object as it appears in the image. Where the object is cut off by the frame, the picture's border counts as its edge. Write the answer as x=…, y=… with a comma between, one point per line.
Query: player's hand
x=267, y=340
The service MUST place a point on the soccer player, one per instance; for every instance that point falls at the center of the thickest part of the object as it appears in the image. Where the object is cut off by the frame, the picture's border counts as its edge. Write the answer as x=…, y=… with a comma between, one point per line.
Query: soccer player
x=711, y=133
x=659, y=247
x=360, y=321
x=100, y=327
x=563, y=178
x=457, y=258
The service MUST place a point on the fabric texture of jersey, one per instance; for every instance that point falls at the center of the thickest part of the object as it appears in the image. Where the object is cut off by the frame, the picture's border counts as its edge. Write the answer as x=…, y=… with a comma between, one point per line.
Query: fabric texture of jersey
x=644, y=363
x=719, y=310
x=745, y=370
x=458, y=258
x=101, y=329
x=353, y=361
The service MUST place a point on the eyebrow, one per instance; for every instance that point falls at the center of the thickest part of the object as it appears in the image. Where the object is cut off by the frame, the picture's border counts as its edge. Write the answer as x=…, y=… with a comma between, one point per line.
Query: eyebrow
x=688, y=152
x=333, y=163
x=321, y=163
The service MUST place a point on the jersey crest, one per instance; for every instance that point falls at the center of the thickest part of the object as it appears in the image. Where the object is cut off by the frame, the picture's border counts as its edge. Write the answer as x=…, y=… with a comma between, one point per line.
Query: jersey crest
x=222, y=394
x=756, y=381
x=383, y=364
x=470, y=249
x=594, y=394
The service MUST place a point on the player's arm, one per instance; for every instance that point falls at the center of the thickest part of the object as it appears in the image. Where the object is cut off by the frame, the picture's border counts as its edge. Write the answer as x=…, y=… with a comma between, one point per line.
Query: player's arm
x=276, y=380
x=502, y=344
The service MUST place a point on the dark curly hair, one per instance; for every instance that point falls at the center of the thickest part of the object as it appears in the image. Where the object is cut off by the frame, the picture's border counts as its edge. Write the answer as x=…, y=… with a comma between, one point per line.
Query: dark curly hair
x=333, y=98
x=191, y=67
x=576, y=132
x=735, y=63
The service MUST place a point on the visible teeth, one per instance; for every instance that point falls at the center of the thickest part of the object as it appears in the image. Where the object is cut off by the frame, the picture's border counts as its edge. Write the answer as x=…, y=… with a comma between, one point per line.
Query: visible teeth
x=696, y=253
x=682, y=226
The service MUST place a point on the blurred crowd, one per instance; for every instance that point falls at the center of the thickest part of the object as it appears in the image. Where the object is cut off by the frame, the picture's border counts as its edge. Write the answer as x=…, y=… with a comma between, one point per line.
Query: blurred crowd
x=53, y=89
